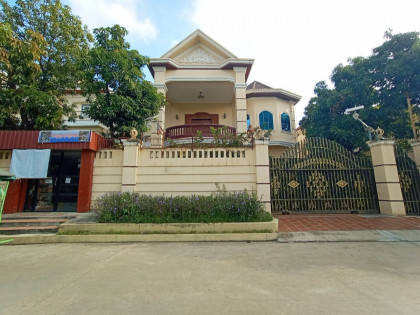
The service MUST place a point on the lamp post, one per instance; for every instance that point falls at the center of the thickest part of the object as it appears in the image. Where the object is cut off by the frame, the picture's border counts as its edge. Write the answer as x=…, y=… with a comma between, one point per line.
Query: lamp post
x=372, y=133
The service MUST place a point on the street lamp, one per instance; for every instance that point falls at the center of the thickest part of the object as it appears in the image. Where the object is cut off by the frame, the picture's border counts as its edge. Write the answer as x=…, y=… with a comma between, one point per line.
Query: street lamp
x=372, y=133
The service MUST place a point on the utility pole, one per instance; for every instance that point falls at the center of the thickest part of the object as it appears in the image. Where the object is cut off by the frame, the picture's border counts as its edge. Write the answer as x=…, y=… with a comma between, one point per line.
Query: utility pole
x=410, y=111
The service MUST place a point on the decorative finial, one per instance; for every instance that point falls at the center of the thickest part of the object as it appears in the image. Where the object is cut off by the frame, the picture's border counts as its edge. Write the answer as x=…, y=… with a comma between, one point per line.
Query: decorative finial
x=380, y=132
x=133, y=133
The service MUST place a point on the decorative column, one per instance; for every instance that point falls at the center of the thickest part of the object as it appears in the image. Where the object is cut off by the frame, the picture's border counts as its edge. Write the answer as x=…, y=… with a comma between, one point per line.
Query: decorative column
x=130, y=157
x=240, y=99
x=386, y=176
x=262, y=165
x=416, y=151
x=158, y=127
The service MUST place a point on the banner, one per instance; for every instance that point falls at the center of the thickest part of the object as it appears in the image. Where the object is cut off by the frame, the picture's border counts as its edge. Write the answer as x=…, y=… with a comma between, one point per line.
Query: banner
x=56, y=136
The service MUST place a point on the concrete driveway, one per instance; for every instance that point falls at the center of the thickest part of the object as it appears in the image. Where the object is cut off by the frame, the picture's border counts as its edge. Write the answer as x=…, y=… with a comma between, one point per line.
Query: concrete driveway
x=211, y=278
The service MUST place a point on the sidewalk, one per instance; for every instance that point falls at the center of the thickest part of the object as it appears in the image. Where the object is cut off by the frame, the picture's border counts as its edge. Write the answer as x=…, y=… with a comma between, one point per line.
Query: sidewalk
x=347, y=228
x=345, y=222
x=291, y=229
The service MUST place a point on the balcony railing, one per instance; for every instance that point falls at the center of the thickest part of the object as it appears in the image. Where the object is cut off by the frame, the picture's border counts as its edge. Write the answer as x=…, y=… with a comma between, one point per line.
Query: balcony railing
x=188, y=131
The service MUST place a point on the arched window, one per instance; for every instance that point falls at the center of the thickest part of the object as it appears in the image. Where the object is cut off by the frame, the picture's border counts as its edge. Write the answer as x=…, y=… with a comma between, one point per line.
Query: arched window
x=248, y=121
x=266, y=120
x=285, y=122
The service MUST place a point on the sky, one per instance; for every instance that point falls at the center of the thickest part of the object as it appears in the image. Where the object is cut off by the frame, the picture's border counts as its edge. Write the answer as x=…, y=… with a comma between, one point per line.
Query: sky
x=295, y=44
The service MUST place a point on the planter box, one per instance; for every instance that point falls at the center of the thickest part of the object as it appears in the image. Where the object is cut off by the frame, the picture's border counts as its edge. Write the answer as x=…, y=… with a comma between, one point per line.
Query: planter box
x=170, y=228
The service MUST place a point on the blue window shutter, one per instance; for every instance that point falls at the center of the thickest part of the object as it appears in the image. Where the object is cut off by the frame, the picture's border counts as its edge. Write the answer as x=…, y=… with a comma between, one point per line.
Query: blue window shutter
x=285, y=122
x=266, y=120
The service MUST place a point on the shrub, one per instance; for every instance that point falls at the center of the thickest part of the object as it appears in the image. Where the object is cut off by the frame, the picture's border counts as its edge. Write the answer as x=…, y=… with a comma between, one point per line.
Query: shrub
x=128, y=207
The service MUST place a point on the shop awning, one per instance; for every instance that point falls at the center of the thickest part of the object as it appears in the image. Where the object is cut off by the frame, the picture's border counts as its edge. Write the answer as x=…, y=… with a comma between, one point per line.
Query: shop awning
x=30, y=163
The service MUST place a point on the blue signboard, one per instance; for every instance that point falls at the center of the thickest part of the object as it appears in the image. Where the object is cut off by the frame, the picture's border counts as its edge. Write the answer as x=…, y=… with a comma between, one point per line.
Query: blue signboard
x=57, y=136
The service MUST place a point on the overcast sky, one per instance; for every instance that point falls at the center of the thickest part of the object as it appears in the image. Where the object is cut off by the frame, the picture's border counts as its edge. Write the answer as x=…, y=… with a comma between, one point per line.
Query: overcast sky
x=294, y=43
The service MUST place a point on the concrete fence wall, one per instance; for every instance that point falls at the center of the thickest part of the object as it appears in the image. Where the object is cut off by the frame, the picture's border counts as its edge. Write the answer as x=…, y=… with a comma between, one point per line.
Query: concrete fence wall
x=176, y=171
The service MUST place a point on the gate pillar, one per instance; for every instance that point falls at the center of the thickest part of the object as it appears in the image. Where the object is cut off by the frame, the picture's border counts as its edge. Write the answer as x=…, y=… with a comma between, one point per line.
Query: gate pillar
x=390, y=197
x=262, y=165
x=416, y=150
x=130, y=157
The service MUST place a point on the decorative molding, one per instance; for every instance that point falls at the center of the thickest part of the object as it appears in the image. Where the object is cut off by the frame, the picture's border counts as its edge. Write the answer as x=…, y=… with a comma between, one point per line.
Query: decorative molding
x=380, y=142
x=199, y=56
x=201, y=79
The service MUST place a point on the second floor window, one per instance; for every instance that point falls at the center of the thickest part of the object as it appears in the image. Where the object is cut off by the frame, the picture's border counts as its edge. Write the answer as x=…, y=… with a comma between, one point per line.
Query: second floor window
x=266, y=120
x=285, y=122
x=84, y=108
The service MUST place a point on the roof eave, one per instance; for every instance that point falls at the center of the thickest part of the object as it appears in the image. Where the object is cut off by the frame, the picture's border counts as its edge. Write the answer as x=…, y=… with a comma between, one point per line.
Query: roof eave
x=279, y=93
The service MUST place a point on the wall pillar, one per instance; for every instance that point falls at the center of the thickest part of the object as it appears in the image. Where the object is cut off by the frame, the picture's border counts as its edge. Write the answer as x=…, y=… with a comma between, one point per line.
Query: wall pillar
x=157, y=128
x=262, y=165
x=85, y=181
x=130, y=158
x=240, y=99
x=15, y=198
x=390, y=197
x=416, y=151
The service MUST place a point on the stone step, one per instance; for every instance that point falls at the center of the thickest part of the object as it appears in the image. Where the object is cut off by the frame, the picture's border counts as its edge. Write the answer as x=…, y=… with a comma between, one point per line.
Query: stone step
x=31, y=222
x=28, y=230
x=37, y=217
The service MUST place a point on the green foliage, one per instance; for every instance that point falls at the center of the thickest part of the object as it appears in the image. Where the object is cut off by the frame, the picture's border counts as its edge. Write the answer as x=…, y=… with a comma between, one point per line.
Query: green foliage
x=219, y=207
x=223, y=138
x=42, y=45
x=380, y=83
x=119, y=97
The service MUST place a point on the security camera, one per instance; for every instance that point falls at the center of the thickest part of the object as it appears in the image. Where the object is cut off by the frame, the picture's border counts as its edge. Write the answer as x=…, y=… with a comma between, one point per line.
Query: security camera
x=353, y=109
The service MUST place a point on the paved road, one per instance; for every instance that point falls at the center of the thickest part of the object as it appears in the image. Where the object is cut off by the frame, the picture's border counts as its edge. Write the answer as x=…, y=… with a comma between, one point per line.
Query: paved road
x=211, y=278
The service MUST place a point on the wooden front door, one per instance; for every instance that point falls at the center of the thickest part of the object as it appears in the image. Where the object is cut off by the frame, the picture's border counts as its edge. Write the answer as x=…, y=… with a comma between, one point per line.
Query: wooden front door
x=201, y=118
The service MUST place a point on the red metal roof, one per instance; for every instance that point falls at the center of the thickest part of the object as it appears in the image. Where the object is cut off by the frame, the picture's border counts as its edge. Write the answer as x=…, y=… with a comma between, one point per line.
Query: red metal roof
x=28, y=139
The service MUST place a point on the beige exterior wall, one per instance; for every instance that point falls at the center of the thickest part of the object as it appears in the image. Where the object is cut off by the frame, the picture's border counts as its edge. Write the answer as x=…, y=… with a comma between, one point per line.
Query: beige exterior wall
x=181, y=109
x=276, y=107
x=186, y=172
x=178, y=171
x=107, y=172
x=5, y=159
x=82, y=122
x=276, y=150
x=201, y=73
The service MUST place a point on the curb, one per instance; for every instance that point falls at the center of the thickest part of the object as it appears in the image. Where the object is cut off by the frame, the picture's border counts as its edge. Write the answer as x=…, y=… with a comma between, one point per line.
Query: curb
x=128, y=238
x=350, y=236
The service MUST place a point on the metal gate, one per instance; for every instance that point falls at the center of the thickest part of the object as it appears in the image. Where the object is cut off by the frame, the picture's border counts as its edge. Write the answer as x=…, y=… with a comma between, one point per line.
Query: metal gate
x=320, y=176
x=409, y=180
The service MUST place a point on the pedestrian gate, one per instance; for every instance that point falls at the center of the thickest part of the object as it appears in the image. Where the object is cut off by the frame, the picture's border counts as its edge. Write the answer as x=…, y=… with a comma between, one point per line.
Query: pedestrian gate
x=320, y=176
x=409, y=180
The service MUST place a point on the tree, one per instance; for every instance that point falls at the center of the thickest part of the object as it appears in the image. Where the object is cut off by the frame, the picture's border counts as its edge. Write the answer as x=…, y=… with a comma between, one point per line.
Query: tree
x=119, y=97
x=380, y=83
x=42, y=45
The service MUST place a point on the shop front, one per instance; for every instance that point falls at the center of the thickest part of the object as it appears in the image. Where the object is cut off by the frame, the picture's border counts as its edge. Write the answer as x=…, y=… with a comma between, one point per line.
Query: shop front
x=54, y=169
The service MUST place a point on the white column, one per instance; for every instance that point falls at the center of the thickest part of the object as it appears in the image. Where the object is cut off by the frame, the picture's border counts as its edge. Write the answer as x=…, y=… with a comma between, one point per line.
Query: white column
x=262, y=165
x=386, y=177
x=158, y=128
x=416, y=152
x=130, y=159
x=240, y=99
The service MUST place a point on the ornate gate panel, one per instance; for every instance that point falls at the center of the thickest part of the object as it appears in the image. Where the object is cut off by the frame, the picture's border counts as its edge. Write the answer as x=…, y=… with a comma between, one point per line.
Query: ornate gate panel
x=409, y=180
x=320, y=176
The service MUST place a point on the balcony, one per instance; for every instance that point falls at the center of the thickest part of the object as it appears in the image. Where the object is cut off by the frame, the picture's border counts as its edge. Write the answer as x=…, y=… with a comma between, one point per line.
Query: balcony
x=189, y=131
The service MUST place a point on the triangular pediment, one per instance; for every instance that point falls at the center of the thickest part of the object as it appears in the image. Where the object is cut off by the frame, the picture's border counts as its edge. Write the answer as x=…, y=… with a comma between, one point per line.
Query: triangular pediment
x=198, y=49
